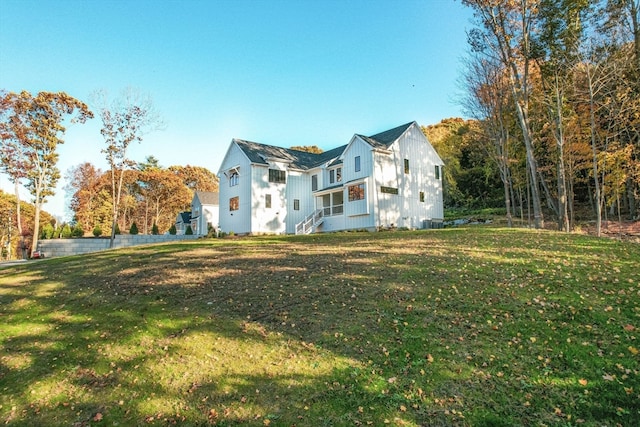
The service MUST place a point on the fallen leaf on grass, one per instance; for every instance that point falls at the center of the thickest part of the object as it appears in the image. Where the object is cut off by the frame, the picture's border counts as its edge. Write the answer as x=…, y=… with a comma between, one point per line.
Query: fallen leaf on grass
x=582, y=382
x=607, y=377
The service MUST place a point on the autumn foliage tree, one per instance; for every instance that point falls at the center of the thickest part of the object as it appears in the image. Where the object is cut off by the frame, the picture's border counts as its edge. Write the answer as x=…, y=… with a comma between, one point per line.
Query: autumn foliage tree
x=31, y=129
x=125, y=120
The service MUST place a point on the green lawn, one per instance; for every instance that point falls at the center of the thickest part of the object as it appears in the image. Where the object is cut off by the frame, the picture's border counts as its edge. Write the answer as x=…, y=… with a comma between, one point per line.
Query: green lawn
x=477, y=326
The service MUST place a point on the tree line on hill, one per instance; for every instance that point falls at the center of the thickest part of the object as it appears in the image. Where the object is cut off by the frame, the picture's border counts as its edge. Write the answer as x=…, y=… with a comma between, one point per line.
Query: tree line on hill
x=554, y=88
x=152, y=195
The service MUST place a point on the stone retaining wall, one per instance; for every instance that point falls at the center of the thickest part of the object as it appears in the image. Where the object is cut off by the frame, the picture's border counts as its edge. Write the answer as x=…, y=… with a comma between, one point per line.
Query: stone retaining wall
x=65, y=247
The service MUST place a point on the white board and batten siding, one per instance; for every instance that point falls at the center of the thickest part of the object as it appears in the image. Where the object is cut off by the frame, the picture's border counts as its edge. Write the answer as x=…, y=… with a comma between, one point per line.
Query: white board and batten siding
x=238, y=221
x=406, y=209
x=381, y=165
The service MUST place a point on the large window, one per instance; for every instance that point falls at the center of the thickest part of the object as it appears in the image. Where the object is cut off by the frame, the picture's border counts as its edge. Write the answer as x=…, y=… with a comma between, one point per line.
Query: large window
x=356, y=192
x=314, y=182
x=234, y=179
x=357, y=164
x=234, y=203
x=277, y=176
x=267, y=201
x=406, y=165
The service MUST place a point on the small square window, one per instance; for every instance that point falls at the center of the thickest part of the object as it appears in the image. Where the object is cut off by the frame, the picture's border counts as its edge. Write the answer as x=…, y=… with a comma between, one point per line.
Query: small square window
x=357, y=164
x=296, y=204
x=234, y=203
x=406, y=165
x=267, y=201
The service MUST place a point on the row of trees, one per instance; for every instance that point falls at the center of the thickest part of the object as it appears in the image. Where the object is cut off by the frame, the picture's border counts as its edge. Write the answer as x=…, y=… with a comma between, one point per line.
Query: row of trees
x=554, y=87
x=151, y=195
x=31, y=128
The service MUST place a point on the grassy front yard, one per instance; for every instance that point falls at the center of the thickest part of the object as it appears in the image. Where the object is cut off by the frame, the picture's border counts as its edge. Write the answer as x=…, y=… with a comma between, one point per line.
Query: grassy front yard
x=477, y=327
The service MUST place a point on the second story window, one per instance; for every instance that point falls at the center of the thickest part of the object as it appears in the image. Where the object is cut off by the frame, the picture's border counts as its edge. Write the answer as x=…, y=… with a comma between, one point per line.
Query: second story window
x=437, y=172
x=339, y=174
x=277, y=176
x=314, y=182
x=406, y=165
x=357, y=164
x=234, y=179
x=332, y=176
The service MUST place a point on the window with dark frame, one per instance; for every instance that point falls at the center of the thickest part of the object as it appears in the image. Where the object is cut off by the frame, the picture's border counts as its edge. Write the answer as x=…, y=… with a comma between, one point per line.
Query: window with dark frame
x=356, y=192
x=296, y=204
x=339, y=175
x=422, y=196
x=357, y=164
x=267, y=201
x=437, y=172
x=388, y=190
x=332, y=176
x=277, y=176
x=314, y=182
x=406, y=165
x=234, y=203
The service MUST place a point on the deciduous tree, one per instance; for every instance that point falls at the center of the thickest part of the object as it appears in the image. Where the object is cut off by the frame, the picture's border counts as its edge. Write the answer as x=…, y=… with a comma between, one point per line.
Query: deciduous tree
x=125, y=120
x=36, y=123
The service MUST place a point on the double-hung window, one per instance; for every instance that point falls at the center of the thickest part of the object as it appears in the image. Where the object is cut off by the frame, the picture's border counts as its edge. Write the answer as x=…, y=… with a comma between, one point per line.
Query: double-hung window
x=357, y=164
x=234, y=179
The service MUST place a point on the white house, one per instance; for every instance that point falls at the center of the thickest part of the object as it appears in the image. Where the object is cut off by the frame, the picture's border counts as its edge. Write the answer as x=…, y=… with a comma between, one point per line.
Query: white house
x=390, y=179
x=204, y=212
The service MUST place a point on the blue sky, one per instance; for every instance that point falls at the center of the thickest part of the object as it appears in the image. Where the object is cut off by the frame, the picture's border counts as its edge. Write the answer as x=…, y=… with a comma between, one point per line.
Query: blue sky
x=277, y=72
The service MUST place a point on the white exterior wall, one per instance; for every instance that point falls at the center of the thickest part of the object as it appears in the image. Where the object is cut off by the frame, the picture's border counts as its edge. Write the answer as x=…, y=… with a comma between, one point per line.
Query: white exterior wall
x=405, y=209
x=298, y=187
x=238, y=221
x=358, y=214
x=268, y=220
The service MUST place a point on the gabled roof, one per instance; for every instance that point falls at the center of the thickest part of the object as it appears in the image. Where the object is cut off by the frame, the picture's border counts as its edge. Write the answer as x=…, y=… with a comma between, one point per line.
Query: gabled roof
x=386, y=138
x=208, y=197
x=260, y=153
x=185, y=217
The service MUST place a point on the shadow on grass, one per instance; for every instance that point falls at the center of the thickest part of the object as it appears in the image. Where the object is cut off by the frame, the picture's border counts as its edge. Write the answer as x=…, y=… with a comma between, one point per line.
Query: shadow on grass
x=433, y=328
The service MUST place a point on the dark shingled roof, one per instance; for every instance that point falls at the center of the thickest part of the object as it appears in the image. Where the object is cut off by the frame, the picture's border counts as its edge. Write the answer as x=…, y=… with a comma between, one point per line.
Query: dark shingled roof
x=386, y=138
x=258, y=153
x=185, y=217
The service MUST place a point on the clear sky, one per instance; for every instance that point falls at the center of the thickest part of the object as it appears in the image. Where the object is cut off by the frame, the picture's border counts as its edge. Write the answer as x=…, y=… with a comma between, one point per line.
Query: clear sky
x=272, y=71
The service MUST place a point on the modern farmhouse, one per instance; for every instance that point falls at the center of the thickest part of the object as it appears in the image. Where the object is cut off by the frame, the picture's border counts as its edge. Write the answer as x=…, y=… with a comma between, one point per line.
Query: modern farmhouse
x=390, y=179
